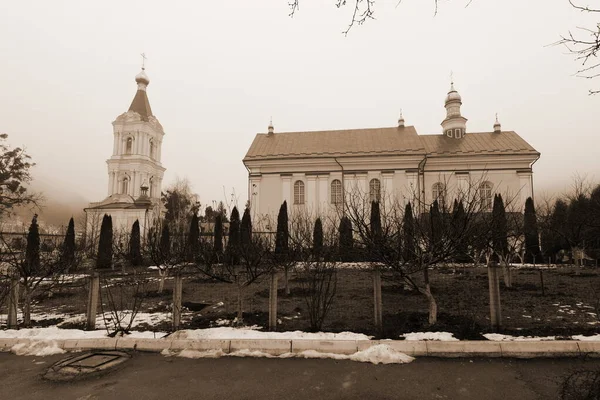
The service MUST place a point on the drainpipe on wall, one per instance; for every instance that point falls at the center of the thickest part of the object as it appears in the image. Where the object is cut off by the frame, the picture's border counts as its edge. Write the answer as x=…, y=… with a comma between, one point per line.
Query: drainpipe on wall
x=421, y=188
x=531, y=177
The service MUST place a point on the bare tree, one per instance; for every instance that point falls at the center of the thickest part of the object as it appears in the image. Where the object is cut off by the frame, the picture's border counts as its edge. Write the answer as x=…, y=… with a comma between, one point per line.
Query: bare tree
x=314, y=251
x=433, y=238
x=252, y=261
x=40, y=273
x=585, y=46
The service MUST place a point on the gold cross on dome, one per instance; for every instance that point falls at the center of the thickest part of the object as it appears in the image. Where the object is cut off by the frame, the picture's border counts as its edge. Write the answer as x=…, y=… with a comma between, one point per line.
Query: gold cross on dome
x=143, y=60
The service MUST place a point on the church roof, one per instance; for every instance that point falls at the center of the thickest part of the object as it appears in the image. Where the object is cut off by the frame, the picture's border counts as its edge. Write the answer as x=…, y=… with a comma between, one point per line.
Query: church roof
x=506, y=142
x=350, y=142
x=382, y=141
x=141, y=105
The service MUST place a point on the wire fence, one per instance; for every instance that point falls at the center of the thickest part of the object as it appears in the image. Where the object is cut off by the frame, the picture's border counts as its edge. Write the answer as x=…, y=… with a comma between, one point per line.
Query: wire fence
x=541, y=301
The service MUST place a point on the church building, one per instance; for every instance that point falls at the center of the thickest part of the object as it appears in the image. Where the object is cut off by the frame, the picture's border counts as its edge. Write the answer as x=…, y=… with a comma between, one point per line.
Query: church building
x=313, y=171
x=135, y=171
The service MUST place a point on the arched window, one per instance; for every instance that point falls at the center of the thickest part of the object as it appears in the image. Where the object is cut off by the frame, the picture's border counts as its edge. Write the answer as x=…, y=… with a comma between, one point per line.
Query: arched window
x=336, y=192
x=449, y=132
x=375, y=190
x=485, y=196
x=151, y=148
x=438, y=192
x=298, y=192
x=125, y=186
x=128, y=146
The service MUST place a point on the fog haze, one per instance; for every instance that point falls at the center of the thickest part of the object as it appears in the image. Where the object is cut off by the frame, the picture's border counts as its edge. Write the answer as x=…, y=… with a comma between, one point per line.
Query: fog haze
x=219, y=70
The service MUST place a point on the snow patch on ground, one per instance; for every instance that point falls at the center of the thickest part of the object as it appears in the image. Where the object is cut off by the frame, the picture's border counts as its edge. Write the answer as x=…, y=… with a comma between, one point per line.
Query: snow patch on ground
x=253, y=332
x=497, y=337
x=39, y=348
x=441, y=336
x=586, y=338
x=50, y=333
x=379, y=354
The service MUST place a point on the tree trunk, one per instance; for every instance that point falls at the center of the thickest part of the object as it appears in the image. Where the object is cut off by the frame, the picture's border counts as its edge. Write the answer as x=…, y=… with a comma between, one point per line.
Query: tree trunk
x=240, y=315
x=285, y=278
x=161, y=282
x=27, y=307
x=432, y=305
x=507, y=274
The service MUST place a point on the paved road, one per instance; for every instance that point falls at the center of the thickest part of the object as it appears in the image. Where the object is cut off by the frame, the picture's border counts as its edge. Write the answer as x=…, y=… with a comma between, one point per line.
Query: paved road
x=152, y=376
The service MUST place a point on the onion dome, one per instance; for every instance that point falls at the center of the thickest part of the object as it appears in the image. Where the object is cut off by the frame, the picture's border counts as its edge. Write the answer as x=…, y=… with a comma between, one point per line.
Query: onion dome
x=142, y=78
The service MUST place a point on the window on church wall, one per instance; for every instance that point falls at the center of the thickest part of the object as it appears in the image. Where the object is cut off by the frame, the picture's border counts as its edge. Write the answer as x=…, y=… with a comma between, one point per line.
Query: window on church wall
x=128, y=146
x=449, y=132
x=457, y=133
x=438, y=192
x=336, y=192
x=125, y=186
x=485, y=196
x=298, y=192
x=375, y=190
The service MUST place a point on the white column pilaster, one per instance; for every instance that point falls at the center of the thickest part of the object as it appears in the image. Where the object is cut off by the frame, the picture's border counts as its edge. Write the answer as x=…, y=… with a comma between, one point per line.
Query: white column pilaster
x=311, y=194
x=525, y=188
x=115, y=142
x=111, y=177
x=323, y=184
x=387, y=190
x=286, y=189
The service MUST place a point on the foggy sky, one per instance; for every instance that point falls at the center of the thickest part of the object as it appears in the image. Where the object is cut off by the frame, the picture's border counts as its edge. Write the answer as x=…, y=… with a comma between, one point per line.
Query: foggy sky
x=220, y=69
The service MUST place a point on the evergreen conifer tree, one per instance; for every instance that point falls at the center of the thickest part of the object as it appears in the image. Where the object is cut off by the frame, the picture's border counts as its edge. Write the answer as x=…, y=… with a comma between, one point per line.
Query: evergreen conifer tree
x=246, y=229
x=282, y=238
x=68, y=249
x=436, y=230
x=193, y=239
x=532, y=241
x=165, y=243
x=135, y=252
x=376, y=240
x=408, y=228
x=105, y=250
x=32, y=252
x=318, y=239
x=458, y=231
x=234, y=240
x=499, y=227
x=346, y=241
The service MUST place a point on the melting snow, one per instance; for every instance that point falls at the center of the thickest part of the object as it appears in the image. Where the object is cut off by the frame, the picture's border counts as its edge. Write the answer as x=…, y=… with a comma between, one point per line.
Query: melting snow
x=441, y=336
x=497, y=337
x=38, y=348
x=379, y=354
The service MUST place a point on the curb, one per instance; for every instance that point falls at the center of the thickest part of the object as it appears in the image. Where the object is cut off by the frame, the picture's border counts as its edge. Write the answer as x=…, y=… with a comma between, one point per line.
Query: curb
x=276, y=347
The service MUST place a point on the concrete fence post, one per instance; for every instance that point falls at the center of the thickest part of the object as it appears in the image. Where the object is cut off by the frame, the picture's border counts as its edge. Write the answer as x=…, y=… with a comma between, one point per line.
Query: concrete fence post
x=378, y=309
x=177, y=292
x=13, y=303
x=273, y=303
x=494, y=292
x=92, y=304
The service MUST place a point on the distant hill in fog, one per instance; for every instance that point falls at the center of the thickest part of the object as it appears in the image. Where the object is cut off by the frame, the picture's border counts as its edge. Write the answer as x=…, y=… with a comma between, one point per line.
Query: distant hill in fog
x=59, y=205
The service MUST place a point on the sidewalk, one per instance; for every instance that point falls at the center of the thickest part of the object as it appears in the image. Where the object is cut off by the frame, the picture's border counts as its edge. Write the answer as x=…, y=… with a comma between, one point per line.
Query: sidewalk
x=279, y=347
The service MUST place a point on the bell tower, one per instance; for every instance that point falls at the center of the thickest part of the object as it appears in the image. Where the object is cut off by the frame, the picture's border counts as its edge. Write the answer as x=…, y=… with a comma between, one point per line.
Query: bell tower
x=137, y=143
